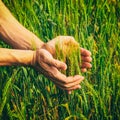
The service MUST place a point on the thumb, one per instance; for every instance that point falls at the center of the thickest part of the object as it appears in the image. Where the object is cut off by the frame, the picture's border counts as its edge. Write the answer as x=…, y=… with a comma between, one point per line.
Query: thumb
x=56, y=63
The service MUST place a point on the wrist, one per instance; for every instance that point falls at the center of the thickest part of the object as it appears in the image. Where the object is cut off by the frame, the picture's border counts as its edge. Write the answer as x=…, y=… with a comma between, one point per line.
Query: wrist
x=16, y=57
x=50, y=48
x=33, y=62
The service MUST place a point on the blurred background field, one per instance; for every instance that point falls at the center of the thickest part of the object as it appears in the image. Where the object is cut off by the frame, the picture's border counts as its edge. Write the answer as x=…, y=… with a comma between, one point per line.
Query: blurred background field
x=95, y=24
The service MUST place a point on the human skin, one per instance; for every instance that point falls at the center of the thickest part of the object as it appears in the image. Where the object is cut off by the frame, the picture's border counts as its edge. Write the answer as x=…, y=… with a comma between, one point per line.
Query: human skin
x=17, y=36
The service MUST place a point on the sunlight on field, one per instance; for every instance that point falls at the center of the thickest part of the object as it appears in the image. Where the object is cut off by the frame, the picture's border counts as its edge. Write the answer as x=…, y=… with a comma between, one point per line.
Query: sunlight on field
x=95, y=25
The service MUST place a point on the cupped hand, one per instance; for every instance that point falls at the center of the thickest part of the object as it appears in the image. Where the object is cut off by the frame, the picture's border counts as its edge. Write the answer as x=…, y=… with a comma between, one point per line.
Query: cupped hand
x=85, y=54
x=48, y=66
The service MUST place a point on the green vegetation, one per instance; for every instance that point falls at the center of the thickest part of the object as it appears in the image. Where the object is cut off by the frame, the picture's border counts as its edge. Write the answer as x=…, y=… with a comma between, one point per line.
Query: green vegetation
x=69, y=52
x=95, y=24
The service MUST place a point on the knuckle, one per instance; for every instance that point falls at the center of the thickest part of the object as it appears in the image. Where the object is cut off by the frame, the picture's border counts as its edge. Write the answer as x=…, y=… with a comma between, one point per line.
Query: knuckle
x=56, y=63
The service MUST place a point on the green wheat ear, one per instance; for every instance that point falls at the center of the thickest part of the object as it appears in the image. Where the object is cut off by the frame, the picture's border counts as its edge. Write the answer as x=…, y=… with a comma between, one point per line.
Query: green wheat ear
x=70, y=54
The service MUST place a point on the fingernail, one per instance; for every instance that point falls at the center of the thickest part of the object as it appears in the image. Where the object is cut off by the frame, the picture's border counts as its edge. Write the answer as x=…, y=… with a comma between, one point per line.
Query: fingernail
x=90, y=59
x=69, y=92
x=90, y=65
x=64, y=66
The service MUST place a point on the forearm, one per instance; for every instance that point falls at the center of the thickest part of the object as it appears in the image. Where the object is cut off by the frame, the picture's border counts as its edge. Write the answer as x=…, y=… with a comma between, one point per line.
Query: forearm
x=14, y=34
x=16, y=57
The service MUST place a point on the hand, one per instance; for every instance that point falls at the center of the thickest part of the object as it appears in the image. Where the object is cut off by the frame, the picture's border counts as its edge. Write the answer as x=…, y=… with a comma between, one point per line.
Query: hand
x=86, y=59
x=47, y=65
x=85, y=54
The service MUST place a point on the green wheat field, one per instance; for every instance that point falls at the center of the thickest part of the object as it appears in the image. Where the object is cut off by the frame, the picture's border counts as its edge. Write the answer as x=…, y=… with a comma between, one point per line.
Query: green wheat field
x=95, y=25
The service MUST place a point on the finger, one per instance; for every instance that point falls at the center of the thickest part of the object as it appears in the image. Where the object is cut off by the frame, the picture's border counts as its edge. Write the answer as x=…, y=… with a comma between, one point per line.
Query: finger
x=68, y=86
x=86, y=59
x=69, y=92
x=60, y=79
x=76, y=82
x=71, y=88
x=49, y=48
x=72, y=79
x=83, y=70
x=74, y=88
x=56, y=63
x=55, y=74
x=85, y=52
x=63, y=80
x=86, y=65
